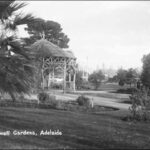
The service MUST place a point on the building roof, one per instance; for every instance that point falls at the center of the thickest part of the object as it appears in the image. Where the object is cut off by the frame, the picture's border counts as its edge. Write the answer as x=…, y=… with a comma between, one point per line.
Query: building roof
x=45, y=48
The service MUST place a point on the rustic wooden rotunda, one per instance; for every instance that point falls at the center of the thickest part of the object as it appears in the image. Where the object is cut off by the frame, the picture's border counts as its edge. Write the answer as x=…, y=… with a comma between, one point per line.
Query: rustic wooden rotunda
x=54, y=58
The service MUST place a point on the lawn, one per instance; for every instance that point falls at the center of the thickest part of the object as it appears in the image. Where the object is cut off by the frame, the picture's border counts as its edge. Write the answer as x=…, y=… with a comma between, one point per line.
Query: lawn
x=79, y=130
x=121, y=97
x=112, y=87
x=105, y=86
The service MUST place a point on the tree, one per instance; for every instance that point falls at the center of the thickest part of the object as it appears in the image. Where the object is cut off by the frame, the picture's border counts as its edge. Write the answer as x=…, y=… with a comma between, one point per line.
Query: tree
x=49, y=30
x=79, y=80
x=131, y=75
x=96, y=77
x=127, y=76
x=145, y=76
x=140, y=104
x=121, y=75
x=113, y=79
x=15, y=66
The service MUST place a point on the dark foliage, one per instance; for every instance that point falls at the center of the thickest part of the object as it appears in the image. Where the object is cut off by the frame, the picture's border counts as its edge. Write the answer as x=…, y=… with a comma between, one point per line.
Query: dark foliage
x=127, y=76
x=43, y=97
x=84, y=101
x=145, y=76
x=140, y=105
x=96, y=78
x=49, y=30
x=127, y=91
x=121, y=82
x=16, y=71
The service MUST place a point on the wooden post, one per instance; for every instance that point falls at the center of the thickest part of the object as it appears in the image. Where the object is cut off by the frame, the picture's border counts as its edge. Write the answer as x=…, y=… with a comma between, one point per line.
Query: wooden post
x=42, y=73
x=69, y=77
x=74, y=81
x=48, y=79
x=53, y=75
x=64, y=83
x=69, y=80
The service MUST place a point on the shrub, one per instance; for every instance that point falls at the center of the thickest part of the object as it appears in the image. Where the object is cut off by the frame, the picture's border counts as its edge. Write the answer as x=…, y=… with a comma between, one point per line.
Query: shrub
x=86, y=86
x=59, y=104
x=96, y=78
x=43, y=97
x=50, y=100
x=140, y=105
x=84, y=101
x=57, y=86
x=121, y=83
x=127, y=91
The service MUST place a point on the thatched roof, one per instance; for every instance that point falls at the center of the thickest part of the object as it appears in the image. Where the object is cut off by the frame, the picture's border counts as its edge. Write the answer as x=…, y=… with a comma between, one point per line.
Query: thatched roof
x=45, y=48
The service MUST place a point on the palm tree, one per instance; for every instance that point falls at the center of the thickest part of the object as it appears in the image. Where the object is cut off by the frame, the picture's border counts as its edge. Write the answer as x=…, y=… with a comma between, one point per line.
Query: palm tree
x=16, y=71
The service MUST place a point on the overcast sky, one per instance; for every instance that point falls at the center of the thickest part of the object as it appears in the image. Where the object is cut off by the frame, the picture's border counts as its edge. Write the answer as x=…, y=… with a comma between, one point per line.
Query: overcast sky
x=113, y=33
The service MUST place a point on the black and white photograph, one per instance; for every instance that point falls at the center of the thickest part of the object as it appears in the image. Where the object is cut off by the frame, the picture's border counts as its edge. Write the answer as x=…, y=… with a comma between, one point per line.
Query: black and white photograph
x=74, y=74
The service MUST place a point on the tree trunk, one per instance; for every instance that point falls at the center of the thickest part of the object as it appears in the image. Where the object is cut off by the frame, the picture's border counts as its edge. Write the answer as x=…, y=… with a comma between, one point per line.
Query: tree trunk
x=64, y=83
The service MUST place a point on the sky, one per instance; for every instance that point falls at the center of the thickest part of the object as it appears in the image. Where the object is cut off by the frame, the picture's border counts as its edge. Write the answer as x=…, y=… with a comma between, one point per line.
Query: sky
x=110, y=34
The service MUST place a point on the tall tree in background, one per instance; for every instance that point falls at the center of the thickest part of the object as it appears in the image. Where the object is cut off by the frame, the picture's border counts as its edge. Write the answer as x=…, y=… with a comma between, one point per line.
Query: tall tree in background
x=145, y=76
x=96, y=78
x=127, y=76
x=49, y=30
x=79, y=80
x=15, y=68
x=131, y=76
x=121, y=75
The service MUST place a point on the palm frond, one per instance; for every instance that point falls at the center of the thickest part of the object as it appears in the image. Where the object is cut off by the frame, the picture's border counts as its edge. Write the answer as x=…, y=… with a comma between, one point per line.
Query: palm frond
x=3, y=45
x=14, y=77
x=19, y=20
x=4, y=5
x=10, y=8
x=16, y=6
x=4, y=41
x=16, y=71
x=18, y=49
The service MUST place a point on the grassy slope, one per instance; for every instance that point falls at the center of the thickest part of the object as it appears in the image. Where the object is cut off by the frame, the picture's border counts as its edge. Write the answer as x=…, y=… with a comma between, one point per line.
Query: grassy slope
x=79, y=130
x=107, y=87
x=112, y=86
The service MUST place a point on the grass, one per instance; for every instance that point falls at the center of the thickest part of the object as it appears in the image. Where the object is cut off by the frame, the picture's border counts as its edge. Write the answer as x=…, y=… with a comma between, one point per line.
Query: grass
x=110, y=91
x=111, y=86
x=105, y=87
x=58, y=105
x=126, y=91
x=79, y=130
x=121, y=98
